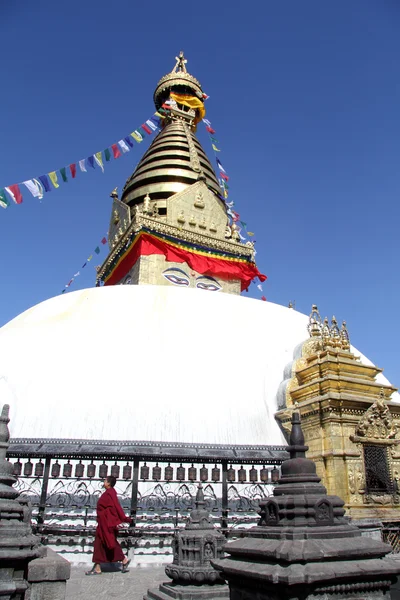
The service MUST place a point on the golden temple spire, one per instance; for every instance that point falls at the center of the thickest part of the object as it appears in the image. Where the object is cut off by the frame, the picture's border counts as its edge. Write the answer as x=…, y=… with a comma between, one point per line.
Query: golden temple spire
x=180, y=63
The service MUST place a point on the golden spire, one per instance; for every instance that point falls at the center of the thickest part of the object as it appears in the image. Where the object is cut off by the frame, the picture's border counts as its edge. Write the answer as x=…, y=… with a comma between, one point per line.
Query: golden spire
x=180, y=63
x=314, y=323
x=344, y=334
x=177, y=79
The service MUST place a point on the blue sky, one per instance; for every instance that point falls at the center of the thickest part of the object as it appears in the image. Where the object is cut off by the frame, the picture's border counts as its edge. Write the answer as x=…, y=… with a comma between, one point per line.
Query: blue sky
x=305, y=100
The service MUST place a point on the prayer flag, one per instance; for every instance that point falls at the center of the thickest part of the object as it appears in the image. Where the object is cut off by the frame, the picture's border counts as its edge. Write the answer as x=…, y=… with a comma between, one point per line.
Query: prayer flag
x=205, y=97
x=159, y=114
x=224, y=176
x=72, y=168
x=250, y=233
x=260, y=287
x=89, y=258
x=107, y=154
x=45, y=182
x=151, y=125
x=104, y=240
x=210, y=129
x=99, y=160
x=97, y=250
x=15, y=193
x=82, y=166
x=124, y=147
x=35, y=188
x=62, y=291
x=116, y=151
x=91, y=161
x=243, y=224
x=213, y=139
x=53, y=179
x=129, y=141
x=63, y=174
x=4, y=201
x=225, y=193
x=146, y=129
x=220, y=167
x=83, y=266
x=137, y=136
x=215, y=148
x=263, y=298
x=76, y=274
x=207, y=122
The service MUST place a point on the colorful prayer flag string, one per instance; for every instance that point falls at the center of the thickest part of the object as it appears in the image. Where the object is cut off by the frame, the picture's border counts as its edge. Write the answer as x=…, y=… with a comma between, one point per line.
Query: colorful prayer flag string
x=97, y=250
x=223, y=182
x=37, y=186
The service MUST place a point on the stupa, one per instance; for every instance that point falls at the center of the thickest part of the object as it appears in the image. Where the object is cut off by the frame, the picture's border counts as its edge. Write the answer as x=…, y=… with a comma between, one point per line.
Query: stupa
x=171, y=224
x=149, y=365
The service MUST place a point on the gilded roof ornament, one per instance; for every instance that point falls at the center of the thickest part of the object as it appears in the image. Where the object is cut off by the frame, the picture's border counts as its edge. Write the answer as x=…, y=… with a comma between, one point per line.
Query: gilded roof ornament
x=335, y=333
x=114, y=193
x=177, y=77
x=377, y=422
x=344, y=334
x=180, y=63
x=314, y=326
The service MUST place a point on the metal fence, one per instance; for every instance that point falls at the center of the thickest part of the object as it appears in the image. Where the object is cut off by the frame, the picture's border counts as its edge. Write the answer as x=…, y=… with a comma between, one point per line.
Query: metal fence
x=156, y=484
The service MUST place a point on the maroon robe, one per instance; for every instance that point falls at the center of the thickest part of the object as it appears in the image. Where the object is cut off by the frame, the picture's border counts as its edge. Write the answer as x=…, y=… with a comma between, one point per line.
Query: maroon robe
x=109, y=516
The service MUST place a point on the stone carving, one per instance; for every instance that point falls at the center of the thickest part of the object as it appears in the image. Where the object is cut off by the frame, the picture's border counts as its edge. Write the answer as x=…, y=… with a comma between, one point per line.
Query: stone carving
x=199, y=200
x=24, y=564
x=146, y=205
x=308, y=554
x=194, y=548
x=377, y=422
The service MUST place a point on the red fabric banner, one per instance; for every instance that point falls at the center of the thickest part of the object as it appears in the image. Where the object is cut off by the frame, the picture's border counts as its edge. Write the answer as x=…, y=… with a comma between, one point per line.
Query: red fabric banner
x=16, y=192
x=210, y=129
x=72, y=168
x=147, y=129
x=116, y=151
x=147, y=244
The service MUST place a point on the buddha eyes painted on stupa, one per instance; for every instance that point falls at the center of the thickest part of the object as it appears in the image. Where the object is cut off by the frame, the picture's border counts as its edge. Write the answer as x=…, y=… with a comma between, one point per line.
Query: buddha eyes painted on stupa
x=179, y=277
x=176, y=276
x=203, y=282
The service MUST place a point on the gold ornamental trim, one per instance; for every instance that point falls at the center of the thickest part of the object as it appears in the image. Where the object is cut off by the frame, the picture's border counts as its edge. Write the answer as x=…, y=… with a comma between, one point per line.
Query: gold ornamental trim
x=140, y=221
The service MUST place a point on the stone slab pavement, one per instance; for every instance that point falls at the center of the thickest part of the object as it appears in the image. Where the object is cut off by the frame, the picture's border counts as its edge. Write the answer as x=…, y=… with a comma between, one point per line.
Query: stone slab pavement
x=114, y=584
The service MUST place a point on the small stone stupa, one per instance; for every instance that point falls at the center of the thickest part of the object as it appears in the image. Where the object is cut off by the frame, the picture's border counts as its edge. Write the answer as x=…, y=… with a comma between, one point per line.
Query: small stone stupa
x=191, y=570
x=304, y=547
x=18, y=545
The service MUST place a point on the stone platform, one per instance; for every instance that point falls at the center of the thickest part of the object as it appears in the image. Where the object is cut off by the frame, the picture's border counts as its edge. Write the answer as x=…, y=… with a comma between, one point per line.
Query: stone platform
x=114, y=584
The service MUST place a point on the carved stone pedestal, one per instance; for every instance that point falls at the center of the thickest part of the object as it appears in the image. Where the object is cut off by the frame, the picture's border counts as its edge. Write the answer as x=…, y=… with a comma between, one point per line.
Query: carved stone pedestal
x=191, y=571
x=304, y=547
x=166, y=591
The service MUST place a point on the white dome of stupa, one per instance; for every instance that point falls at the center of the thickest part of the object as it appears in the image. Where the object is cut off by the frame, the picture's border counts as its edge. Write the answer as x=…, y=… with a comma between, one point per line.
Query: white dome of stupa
x=153, y=363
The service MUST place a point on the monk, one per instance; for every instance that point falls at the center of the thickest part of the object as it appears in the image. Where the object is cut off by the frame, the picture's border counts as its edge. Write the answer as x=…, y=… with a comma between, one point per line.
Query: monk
x=109, y=516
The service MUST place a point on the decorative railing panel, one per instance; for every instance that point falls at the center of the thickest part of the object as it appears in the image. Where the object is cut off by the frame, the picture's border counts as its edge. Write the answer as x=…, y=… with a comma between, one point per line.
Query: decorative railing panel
x=63, y=481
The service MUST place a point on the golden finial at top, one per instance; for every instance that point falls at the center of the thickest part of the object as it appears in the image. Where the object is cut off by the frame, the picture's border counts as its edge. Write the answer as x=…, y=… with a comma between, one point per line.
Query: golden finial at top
x=180, y=63
x=314, y=322
x=114, y=193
